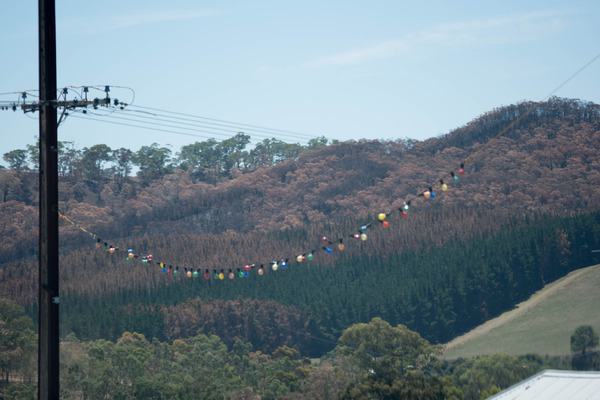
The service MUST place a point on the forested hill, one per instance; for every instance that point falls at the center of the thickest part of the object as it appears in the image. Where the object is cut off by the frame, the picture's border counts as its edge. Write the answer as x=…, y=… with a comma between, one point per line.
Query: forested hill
x=548, y=163
x=216, y=206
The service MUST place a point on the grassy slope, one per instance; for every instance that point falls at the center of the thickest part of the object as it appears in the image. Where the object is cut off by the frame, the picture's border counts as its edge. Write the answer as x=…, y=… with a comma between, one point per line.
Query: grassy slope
x=543, y=324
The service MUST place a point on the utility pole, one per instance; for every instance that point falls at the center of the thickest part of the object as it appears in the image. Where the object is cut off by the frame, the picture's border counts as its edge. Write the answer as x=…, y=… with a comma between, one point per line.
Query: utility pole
x=48, y=300
x=48, y=342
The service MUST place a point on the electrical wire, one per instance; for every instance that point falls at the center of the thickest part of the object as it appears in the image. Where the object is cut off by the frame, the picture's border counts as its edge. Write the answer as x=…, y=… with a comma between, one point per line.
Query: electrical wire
x=84, y=116
x=175, y=120
x=256, y=127
x=199, y=126
x=161, y=120
x=181, y=128
x=265, y=133
x=29, y=92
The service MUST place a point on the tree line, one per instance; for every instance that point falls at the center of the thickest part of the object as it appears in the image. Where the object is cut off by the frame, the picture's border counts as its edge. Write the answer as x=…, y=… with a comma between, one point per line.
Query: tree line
x=370, y=360
x=209, y=160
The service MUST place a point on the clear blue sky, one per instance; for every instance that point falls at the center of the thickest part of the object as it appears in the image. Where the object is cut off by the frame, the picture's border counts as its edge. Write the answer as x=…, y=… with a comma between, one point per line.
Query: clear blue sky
x=342, y=69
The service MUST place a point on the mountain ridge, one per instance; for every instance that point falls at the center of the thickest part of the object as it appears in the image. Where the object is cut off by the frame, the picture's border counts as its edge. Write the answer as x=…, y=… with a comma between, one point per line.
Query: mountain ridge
x=545, y=167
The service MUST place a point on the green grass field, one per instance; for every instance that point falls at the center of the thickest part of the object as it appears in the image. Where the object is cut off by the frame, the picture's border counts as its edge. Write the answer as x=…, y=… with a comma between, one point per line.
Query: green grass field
x=543, y=324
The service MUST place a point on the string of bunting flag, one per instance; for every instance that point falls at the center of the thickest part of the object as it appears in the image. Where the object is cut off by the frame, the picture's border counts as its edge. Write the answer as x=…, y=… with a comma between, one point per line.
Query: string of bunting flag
x=328, y=245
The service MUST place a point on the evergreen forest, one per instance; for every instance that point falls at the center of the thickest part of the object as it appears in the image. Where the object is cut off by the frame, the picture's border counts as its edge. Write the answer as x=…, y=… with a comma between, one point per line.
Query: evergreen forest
x=266, y=272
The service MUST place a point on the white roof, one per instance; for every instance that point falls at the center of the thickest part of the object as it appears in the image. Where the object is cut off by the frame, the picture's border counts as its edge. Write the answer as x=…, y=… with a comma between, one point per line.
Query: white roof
x=555, y=385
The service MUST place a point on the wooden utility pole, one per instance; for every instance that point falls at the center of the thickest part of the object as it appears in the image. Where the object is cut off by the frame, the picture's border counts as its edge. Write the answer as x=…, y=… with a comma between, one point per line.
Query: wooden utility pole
x=48, y=351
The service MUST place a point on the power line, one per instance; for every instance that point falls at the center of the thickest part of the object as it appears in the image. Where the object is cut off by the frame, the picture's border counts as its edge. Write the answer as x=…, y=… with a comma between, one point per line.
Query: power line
x=195, y=127
x=147, y=117
x=84, y=116
x=216, y=126
x=149, y=125
x=533, y=107
x=260, y=128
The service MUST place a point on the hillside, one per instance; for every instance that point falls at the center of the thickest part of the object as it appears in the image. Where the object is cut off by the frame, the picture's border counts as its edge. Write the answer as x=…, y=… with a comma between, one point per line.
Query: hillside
x=543, y=324
x=547, y=163
x=524, y=214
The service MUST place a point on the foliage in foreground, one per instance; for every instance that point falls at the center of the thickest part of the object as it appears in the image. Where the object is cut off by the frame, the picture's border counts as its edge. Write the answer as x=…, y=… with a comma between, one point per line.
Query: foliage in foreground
x=372, y=360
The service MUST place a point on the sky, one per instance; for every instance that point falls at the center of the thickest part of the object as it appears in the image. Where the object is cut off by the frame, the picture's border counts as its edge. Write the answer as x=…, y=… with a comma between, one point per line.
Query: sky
x=346, y=70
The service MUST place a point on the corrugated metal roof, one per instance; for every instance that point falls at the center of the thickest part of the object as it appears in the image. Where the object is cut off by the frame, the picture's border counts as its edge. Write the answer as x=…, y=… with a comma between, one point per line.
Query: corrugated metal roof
x=555, y=385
